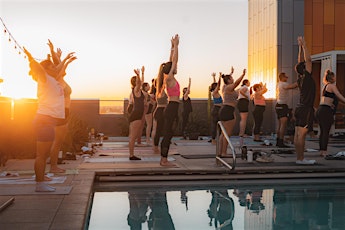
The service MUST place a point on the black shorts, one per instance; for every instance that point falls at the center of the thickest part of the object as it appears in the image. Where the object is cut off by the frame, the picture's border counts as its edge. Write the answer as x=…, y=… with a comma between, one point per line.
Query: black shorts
x=282, y=110
x=304, y=117
x=243, y=105
x=226, y=113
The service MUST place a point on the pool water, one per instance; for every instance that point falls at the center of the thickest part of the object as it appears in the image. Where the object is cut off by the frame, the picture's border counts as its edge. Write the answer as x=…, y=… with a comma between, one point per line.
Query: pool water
x=220, y=207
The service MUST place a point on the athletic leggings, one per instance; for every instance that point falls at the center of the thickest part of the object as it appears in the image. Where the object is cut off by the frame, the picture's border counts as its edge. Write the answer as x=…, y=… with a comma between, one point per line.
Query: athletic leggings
x=258, y=115
x=215, y=119
x=325, y=116
x=159, y=117
x=170, y=115
x=185, y=119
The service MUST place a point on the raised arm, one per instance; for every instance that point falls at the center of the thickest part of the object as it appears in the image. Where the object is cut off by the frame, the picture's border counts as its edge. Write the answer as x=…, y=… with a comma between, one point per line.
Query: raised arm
x=238, y=81
x=171, y=50
x=174, y=60
x=138, y=81
x=54, y=55
x=143, y=74
x=61, y=68
x=307, y=57
x=36, y=70
x=300, y=57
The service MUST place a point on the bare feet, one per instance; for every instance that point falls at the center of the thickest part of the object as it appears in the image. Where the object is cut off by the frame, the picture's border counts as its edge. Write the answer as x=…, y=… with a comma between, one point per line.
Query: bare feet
x=165, y=163
x=156, y=150
x=323, y=153
x=57, y=170
x=47, y=178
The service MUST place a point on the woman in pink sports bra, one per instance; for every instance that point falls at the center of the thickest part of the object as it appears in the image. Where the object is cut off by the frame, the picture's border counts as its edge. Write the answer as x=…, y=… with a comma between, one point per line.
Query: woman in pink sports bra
x=171, y=111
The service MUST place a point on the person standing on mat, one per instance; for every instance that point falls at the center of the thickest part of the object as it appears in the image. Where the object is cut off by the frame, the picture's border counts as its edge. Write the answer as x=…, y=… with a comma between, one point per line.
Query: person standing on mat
x=136, y=116
x=217, y=104
x=171, y=111
x=328, y=106
x=259, y=109
x=282, y=108
x=158, y=114
x=187, y=109
x=51, y=108
x=304, y=112
x=243, y=105
x=62, y=126
x=227, y=112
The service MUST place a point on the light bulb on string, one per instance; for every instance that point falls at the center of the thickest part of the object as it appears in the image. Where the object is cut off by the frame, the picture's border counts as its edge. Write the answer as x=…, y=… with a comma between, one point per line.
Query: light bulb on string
x=9, y=40
x=5, y=31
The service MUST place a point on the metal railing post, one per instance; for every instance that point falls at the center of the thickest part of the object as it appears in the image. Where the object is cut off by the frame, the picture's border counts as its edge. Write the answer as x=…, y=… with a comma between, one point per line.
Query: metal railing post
x=221, y=128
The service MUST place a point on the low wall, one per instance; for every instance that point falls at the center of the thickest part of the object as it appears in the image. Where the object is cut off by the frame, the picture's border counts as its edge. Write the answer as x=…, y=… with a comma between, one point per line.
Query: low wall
x=17, y=139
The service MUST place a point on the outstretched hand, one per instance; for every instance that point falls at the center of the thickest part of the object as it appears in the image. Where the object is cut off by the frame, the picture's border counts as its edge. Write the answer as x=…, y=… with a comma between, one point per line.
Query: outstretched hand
x=137, y=72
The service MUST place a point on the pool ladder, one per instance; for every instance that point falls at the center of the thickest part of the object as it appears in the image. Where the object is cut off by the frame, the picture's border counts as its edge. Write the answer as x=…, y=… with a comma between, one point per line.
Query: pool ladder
x=221, y=128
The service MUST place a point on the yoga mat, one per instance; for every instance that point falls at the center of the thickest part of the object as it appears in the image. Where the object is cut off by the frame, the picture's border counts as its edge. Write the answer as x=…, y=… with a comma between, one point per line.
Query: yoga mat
x=117, y=165
x=123, y=159
x=203, y=156
x=30, y=190
x=31, y=180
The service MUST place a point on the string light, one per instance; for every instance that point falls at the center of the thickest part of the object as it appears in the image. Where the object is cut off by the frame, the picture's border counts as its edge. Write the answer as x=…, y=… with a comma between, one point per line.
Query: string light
x=12, y=39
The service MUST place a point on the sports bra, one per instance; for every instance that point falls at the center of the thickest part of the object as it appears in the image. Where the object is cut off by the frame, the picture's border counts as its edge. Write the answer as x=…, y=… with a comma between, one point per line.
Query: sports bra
x=330, y=95
x=174, y=91
x=217, y=100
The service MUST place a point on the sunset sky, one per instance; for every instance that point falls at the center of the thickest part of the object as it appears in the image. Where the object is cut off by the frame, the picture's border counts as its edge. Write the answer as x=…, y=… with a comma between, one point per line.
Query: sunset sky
x=112, y=37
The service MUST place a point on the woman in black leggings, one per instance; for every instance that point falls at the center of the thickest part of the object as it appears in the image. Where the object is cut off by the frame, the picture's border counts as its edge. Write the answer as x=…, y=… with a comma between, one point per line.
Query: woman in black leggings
x=171, y=111
x=259, y=109
x=158, y=114
x=327, y=108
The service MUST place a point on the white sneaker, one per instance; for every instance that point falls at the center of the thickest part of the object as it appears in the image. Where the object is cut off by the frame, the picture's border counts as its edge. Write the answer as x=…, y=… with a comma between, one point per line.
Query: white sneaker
x=43, y=187
x=305, y=162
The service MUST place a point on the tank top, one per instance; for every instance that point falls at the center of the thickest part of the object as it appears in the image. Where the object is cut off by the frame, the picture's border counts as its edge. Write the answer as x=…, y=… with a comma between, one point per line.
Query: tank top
x=138, y=104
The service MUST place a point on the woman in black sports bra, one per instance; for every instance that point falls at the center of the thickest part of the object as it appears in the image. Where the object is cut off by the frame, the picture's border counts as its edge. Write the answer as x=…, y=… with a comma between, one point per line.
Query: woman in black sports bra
x=327, y=108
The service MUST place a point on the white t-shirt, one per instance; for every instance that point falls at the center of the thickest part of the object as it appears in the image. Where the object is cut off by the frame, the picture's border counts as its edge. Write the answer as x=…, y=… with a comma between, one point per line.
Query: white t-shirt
x=51, y=100
x=282, y=94
x=247, y=92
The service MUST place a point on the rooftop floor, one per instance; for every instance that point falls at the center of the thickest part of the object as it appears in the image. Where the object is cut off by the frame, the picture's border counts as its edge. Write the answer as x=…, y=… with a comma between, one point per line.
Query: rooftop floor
x=67, y=208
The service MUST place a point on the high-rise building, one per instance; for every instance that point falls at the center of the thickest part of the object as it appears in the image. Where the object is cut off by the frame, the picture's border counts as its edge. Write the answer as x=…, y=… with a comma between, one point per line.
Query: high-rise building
x=272, y=43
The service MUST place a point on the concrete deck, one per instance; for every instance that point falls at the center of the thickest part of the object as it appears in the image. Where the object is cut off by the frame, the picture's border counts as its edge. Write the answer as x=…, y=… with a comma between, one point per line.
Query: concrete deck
x=195, y=161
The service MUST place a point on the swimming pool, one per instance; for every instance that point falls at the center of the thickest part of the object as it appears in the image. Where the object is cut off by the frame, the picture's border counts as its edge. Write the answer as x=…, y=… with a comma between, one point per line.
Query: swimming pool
x=297, y=204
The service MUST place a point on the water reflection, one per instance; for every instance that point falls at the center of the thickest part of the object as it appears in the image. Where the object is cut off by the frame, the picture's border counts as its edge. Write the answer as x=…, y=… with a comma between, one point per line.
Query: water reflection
x=273, y=208
x=158, y=218
x=222, y=210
